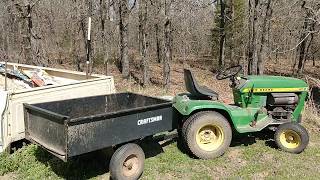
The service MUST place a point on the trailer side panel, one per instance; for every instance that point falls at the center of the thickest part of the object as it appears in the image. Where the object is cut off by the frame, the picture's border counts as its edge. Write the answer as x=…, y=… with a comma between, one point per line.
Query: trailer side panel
x=102, y=132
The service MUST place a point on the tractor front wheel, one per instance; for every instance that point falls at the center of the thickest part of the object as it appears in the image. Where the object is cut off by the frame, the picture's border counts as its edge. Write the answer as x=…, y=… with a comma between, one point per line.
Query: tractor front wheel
x=291, y=137
x=207, y=134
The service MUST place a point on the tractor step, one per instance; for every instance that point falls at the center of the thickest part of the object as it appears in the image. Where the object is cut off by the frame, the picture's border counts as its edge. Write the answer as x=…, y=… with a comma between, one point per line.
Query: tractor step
x=257, y=126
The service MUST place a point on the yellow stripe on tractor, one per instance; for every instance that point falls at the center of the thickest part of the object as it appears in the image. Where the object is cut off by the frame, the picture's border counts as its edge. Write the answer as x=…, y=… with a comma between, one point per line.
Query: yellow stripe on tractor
x=276, y=89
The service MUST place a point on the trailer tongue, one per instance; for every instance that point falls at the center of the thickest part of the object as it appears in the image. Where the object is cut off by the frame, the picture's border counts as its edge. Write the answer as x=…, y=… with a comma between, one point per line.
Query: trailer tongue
x=72, y=127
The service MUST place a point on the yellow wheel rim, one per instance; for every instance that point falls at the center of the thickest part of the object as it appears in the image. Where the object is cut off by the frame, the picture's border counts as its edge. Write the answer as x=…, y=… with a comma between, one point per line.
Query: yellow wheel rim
x=290, y=139
x=210, y=137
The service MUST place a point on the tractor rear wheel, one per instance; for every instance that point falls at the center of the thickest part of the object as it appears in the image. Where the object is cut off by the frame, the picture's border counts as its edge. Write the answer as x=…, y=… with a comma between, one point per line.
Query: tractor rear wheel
x=291, y=137
x=207, y=134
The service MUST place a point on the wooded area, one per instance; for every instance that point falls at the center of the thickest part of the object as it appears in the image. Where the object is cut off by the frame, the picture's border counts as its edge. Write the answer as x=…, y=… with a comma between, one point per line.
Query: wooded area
x=212, y=33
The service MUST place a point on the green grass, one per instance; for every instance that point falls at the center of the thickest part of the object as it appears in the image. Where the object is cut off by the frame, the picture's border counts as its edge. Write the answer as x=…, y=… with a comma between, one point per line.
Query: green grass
x=32, y=162
x=253, y=161
x=256, y=161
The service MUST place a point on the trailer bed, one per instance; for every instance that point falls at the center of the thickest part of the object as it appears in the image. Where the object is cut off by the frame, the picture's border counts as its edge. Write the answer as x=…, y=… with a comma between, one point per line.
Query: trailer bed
x=72, y=127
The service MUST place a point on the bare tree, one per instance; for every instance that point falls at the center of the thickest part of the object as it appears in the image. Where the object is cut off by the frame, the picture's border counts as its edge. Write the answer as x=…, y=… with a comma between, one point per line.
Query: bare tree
x=104, y=8
x=123, y=12
x=167, y=45
x=263, y=45
x=307, y=34
x=24, y=14
x=143, y=40
x=222, y=33
x=89, y=48
x=259, y=26
x=231, y=15
x=157, y=28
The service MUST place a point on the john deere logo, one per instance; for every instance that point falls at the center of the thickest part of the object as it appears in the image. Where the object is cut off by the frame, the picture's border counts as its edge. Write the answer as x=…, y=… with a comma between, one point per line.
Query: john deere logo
x=149, y=120
x=263, y=90
x=275, y=89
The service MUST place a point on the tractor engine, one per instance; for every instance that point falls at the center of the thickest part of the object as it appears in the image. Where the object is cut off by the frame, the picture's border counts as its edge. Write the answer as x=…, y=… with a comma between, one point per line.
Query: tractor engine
x=280, y=106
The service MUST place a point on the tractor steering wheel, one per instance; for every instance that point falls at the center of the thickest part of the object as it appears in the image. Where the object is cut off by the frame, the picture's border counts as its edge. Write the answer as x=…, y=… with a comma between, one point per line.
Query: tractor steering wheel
x=229, y=72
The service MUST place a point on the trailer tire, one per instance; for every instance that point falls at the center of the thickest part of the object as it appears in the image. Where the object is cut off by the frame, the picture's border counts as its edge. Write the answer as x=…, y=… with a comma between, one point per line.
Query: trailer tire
x=291, y=137
x=207, y=134
x=127, y=162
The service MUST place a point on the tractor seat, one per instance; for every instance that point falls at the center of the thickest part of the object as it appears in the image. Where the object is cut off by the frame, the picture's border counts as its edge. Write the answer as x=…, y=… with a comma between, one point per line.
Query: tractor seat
x=196, y=90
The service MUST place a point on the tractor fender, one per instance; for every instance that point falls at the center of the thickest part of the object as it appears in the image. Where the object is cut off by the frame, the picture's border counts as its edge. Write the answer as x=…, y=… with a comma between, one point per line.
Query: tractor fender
x=190, y=107
x=220, y=109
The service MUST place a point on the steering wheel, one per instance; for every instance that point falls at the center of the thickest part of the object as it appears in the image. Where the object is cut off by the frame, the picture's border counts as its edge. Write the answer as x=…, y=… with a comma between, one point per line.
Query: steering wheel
x=229, y=72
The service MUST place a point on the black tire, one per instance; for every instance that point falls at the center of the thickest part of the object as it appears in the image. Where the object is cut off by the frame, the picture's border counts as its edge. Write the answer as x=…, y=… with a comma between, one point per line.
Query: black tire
x=210, y=127
x=291, y=137
x=128, y=153
x=182, y=133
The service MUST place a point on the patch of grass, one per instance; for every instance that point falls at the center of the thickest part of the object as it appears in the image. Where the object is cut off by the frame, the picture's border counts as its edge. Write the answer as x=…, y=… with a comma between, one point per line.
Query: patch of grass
x=32, y=162
x=253, y=161
x=24, y=162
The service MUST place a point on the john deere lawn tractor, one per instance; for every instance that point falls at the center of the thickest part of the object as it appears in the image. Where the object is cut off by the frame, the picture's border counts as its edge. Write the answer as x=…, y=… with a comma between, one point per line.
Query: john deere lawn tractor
x=260, y=102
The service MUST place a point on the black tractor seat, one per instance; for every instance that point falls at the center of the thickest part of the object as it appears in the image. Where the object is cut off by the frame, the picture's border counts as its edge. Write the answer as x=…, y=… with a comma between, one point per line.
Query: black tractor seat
x=192, y=87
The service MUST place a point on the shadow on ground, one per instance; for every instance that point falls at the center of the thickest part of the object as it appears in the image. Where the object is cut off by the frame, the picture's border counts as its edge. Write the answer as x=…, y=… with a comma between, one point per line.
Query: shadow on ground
x=250, y=138
x=81, y=167
x=97, y=163
x=93, y=164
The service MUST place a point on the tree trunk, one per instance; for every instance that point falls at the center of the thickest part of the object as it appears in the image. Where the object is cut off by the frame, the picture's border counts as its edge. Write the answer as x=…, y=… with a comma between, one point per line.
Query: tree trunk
x=222, y=34
x=259, y=27
x=313, y=62
x=11, y=26
x=89, y=46
x=143, y=8
x=158, y=43
x=304, y=39
x=167, y=46
x=264, y=39
x=157, y=29
x=308, y=46
x=123, y=35
x=232, y=29
x=77, y=42
x=24, y=14
x=251, y=37
x=104, y=42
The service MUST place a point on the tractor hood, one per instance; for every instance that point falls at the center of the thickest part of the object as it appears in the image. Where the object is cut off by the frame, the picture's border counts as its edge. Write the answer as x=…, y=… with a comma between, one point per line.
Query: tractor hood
x=273, y=84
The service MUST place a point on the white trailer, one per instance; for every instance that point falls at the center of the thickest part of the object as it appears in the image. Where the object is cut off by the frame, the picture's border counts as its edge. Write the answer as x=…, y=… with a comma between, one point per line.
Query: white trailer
x=72, y=84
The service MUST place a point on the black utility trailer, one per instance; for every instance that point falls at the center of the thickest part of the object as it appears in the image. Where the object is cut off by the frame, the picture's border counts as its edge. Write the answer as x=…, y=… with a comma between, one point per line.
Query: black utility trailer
x=72, y=127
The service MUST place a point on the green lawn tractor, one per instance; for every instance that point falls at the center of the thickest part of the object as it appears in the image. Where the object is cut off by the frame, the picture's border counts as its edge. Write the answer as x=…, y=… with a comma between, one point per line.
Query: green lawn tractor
x=260, y=102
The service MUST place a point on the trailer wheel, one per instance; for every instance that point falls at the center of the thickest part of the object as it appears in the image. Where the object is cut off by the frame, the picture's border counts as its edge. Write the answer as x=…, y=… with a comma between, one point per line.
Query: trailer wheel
x=291, y=137
x=207, y=134
x=127, y=162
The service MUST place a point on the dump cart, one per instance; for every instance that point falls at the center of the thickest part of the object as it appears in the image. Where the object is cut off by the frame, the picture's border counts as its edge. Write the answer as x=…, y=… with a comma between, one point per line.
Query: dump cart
x=73, y=127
